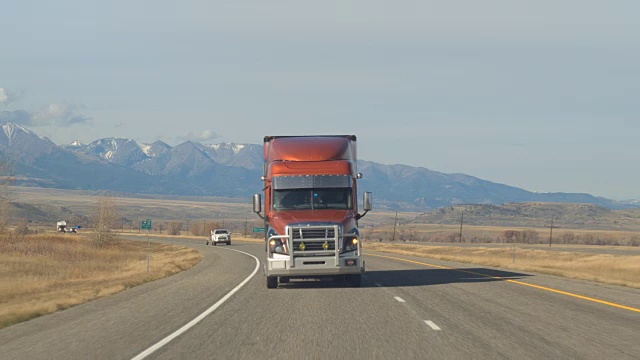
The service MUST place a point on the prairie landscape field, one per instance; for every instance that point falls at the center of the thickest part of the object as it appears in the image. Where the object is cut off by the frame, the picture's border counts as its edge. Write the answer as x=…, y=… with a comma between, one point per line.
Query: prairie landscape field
x=41, y=274
x=43, y=271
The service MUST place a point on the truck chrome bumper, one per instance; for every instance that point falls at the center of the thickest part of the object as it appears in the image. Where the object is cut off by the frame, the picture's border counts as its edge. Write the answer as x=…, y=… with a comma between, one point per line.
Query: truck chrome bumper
x=314, y=266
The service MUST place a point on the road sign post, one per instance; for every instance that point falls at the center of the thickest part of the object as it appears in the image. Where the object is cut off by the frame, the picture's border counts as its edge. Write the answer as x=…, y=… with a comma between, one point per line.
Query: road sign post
x=146, y=224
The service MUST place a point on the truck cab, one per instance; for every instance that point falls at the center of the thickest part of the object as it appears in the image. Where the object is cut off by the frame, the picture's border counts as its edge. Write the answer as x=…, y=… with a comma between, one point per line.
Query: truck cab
x=311, y=209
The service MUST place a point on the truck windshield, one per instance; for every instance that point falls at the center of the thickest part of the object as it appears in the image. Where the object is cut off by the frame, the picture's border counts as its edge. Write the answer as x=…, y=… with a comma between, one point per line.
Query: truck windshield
x=305, y=199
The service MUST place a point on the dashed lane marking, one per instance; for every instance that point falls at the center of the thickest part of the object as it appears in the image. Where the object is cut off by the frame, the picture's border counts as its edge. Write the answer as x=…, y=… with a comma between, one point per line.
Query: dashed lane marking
x=578, y=296
x=432, y=325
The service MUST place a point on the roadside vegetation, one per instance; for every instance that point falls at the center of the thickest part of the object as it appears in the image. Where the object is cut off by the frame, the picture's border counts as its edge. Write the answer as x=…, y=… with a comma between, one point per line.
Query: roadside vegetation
x=438, y=233
x=41, y=274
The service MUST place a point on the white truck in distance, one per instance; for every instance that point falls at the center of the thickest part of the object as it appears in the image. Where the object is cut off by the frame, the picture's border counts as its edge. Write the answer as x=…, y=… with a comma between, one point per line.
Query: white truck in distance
x=220, y=236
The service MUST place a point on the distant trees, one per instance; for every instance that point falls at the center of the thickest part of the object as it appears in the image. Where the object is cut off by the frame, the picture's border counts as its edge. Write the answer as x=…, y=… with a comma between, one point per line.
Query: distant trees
x=6, y=180
x=22, y=229
x=204, y=228
x=528, y=236
x=174, y=227
x=104, y=220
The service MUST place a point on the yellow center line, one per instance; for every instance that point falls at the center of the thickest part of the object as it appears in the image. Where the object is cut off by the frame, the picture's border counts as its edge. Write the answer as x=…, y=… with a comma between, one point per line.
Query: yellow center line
x=514, y=282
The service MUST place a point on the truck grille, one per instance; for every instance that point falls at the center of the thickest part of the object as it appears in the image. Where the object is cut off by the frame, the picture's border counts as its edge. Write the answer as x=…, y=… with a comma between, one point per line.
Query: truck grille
x=312, y=240
x=314, y=233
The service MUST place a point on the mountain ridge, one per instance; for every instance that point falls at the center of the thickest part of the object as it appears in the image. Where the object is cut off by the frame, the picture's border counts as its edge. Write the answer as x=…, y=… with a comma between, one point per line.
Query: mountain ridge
x=234, y=170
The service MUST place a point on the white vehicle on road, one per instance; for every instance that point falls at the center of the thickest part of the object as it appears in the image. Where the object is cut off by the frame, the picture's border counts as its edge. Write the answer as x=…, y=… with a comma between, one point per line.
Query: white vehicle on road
x=220, y=236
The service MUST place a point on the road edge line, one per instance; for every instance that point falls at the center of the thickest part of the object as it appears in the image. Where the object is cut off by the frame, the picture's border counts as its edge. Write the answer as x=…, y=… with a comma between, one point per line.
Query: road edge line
x=200, y=317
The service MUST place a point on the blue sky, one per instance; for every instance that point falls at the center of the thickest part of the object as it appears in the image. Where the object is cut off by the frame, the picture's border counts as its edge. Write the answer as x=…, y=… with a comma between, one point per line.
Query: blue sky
x=542, y=95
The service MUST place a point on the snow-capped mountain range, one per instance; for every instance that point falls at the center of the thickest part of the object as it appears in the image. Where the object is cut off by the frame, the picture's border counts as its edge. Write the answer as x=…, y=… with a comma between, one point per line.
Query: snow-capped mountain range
x=233, y=170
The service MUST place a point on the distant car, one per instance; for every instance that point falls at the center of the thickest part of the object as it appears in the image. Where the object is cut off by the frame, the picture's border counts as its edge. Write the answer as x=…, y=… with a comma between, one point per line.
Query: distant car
x=220, y=236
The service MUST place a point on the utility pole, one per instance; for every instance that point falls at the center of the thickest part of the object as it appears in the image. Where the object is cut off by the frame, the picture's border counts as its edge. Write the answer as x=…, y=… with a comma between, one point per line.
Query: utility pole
x=461, y=220
x=395, y=222
x=246, y=220
x=551, y=231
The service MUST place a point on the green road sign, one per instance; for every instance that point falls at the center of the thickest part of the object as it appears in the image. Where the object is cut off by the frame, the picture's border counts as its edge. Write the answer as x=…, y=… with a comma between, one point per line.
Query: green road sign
x=258, y=229
x=146, y=224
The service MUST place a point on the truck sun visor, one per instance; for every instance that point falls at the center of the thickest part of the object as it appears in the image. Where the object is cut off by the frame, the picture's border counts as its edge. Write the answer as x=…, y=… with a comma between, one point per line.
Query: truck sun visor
x=311, y=181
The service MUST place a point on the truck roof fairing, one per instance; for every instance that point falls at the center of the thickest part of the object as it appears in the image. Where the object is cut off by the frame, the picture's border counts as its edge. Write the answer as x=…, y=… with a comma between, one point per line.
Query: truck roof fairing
x=309, y=148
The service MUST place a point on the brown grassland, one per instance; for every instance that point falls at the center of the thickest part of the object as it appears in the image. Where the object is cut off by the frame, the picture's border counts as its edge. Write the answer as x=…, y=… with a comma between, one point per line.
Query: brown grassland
x=42, y=274
x=606, y=268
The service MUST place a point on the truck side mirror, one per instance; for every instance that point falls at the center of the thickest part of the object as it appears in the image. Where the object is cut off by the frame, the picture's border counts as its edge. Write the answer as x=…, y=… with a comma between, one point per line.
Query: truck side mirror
x=257, y=204
x=367, y=201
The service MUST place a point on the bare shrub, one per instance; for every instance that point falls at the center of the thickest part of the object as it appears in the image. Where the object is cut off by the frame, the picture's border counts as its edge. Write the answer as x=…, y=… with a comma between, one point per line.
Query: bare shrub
x=22, y=229
x=509, y=236
x=204, y=228
x=174, y=227
x=104, y=220
x=587, y=239
x=567, y=237
x=6, y=195
x=531, y=236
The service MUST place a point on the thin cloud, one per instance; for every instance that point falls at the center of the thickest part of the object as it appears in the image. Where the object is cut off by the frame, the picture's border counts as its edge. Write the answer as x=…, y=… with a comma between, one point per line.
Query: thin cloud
x=60, y=114
x=21, y=117
x=53, y=114
x=7, y=96
x=202, y=136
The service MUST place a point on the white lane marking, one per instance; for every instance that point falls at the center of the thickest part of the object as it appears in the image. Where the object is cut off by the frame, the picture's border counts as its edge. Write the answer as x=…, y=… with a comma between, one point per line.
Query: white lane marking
x=399, y=299
x=432, y=325
x=200, y=317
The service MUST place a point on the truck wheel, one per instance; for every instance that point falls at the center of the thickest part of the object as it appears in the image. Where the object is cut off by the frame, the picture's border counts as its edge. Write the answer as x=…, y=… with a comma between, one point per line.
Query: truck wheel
x=228, y=242
x=354, y=280
x=214, y=243
x=272, y=282
x=284, y=279
x=207, y=243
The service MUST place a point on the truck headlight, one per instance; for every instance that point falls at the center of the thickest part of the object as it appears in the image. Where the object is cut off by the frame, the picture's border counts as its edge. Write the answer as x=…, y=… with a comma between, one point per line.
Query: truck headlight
x=275, y=246
x=351, y=245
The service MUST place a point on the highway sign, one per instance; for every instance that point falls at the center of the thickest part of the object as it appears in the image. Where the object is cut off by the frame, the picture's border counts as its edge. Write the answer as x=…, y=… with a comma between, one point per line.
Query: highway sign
x=146, y=224
x=258, y=229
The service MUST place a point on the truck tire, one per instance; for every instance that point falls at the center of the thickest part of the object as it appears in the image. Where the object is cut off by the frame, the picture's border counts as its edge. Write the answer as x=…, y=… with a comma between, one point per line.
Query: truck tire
x=272, y=282
x=229, y=242
x=354, y=280
x=214, y=243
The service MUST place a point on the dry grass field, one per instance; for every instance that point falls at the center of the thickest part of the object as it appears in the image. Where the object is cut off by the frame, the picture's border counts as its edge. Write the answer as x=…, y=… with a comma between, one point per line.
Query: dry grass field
x=606, y=268
x=47, y=273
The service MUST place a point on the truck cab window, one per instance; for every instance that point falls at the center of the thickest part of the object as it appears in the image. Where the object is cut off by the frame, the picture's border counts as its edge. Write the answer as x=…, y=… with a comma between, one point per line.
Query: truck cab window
x=297, y=199
x=301, y=199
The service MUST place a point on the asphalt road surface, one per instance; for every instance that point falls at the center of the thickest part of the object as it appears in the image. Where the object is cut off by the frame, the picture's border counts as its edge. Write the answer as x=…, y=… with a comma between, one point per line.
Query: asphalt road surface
x=407, y=308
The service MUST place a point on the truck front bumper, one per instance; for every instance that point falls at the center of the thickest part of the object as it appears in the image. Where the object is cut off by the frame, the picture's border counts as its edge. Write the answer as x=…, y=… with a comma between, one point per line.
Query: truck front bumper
x=316, y=266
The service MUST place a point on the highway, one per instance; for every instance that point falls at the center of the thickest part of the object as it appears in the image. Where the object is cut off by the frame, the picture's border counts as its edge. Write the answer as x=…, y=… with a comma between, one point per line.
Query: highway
x=407, y=308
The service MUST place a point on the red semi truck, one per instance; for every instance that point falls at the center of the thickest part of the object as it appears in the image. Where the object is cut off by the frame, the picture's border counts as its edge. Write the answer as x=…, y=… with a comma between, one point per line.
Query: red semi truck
x=311, y=208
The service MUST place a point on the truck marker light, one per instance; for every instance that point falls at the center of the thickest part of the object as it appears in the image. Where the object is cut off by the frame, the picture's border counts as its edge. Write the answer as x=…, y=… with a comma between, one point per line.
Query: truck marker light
x=325, y=245
x=351, y=262
x=302, y=246
x=272, y=242
x=355, y=241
